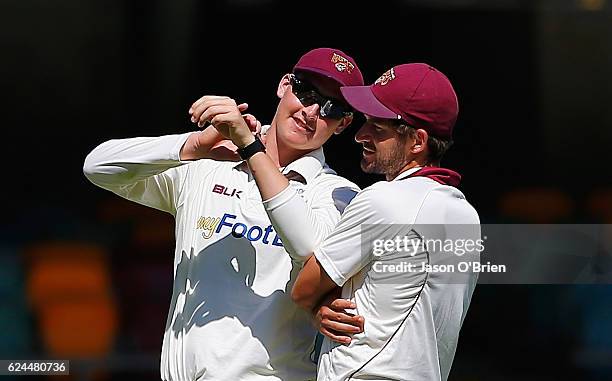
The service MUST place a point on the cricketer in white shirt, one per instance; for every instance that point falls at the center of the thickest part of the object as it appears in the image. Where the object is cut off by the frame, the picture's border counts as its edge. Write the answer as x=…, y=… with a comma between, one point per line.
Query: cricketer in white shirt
x=400, y=251
x=231, y=316
x=412, y=317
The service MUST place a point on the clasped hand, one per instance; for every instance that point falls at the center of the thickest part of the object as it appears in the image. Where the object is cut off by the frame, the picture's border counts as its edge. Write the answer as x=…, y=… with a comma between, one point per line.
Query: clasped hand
x=225, y=115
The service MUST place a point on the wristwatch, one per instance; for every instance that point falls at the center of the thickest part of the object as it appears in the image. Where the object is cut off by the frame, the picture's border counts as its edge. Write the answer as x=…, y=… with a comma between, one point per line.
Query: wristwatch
x=250, y=150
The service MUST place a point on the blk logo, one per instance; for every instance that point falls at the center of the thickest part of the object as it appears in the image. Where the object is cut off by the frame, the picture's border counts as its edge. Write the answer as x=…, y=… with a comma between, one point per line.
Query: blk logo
x=220, y=189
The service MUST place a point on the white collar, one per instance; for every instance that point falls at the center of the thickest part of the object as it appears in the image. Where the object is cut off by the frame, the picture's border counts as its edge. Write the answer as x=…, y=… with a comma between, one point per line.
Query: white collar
x=406, y=173
x=309, y=165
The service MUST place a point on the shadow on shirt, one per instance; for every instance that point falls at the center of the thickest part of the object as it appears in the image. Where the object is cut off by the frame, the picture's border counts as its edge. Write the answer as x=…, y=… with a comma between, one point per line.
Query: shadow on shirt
x=343, y=196
x=216, y=283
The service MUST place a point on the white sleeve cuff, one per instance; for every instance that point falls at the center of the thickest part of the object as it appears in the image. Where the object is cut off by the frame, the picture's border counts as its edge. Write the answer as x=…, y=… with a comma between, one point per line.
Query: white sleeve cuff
x=331, y=270
x=280, y=199
x=175, y=151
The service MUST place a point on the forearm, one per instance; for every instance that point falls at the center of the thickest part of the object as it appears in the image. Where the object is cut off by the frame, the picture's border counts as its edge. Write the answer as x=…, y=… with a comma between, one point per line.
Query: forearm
x=298, y=225
x=269, y=179
x=199, y=144
x=312, y=285
x=120, y=162
x=333, y=317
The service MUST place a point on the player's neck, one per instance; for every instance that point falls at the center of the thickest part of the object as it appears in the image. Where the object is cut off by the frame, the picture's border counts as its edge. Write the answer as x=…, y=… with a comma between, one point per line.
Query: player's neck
x=411, y=164
x=280, y=154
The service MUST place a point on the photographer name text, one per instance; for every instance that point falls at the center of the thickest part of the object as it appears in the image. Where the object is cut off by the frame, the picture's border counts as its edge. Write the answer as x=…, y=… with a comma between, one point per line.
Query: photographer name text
x=461, y=267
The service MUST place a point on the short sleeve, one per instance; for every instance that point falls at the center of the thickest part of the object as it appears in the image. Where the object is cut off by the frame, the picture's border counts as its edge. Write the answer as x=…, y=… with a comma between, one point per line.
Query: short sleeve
x=344, y=252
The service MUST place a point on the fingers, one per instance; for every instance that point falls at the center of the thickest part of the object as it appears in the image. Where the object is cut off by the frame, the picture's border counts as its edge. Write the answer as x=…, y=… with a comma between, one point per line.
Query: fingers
x=211, y=112
x=250, y=121
x=342, y=322
x=226, y=117
x=203, y=99
x=335, y=336
x=342, y=304
x=335, y=322
x=339, y=306
x=253, y=123
x=200, y=106
x=342, y=328
x=336, y=317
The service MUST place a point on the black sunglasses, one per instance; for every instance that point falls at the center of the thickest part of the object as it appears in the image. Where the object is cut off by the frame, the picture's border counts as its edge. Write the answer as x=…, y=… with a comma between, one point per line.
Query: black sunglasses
x=308, y=95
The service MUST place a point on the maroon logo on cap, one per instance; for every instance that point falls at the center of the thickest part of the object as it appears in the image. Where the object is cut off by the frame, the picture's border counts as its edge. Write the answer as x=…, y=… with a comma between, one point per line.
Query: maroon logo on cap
x=387, y=76
x=342, y=64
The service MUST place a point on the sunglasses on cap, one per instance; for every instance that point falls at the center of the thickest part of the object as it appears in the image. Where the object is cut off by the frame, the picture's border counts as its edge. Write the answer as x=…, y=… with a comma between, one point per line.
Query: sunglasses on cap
x=308, y=95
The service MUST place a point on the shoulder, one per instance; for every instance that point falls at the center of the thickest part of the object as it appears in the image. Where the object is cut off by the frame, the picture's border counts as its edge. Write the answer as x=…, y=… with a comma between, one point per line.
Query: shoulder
x=448, y=205
x=198, y=170
x=401, y=201
x=209, y=165
x=328, y=185
x=379, y=196
x=374, y=202
x=329, y=178
x=328, y=181
x=389, y=193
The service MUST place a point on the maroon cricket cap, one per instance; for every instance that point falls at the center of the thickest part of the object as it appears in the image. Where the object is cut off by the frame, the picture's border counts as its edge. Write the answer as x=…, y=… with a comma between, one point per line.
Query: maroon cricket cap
x=332, y=63
x=417, y=93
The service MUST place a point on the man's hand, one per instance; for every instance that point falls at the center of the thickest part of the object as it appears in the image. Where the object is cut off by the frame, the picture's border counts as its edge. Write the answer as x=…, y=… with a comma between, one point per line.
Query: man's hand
x=333, y=321
x=224, y=149
x=209, y=143
x=226, y=116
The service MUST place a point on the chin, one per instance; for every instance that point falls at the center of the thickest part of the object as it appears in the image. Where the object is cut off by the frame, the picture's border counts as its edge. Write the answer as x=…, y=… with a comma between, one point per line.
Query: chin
x=366, y=167
x=297, y=140
x=372, y=167
x=289, y=136
x=298, y=143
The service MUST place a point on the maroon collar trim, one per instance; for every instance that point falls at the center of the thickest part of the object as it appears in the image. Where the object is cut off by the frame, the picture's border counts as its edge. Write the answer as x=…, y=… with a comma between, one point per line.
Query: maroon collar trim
x=441, y=175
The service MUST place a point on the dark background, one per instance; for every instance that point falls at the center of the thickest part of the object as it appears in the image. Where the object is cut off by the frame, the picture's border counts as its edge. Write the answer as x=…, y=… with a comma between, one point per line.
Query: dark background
x=534, y=81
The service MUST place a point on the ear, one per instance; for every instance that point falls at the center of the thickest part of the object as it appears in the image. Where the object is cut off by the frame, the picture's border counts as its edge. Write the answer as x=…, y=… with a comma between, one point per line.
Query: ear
x=344, y=123
x=283, y=85
x=420, y=142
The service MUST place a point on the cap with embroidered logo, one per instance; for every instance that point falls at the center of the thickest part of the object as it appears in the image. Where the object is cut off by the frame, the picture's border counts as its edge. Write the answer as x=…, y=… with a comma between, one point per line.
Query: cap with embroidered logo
x=332, y=63
x=417, y=93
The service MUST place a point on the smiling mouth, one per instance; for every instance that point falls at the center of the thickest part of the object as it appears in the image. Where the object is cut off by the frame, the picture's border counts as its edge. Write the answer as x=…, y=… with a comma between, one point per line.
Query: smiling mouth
x=368, y=150
x=303, y=125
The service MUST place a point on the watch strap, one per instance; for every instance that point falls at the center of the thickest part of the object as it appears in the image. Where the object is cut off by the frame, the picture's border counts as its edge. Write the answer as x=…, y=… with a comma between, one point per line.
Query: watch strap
x=251, y=149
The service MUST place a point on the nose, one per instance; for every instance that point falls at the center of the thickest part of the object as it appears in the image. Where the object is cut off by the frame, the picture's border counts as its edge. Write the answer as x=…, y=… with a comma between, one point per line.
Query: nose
x=311, y=112
x=363, y=134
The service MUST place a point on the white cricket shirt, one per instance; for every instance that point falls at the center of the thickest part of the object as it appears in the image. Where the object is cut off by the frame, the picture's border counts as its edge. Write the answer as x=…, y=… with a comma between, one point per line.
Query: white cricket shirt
x=412, y=318
x=231, y=316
